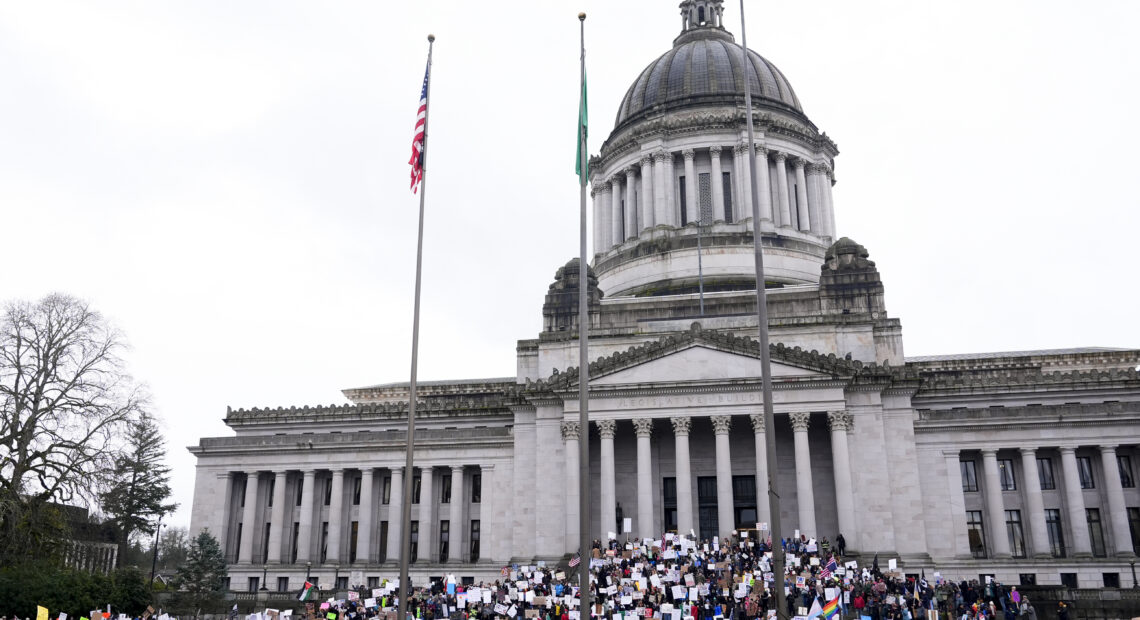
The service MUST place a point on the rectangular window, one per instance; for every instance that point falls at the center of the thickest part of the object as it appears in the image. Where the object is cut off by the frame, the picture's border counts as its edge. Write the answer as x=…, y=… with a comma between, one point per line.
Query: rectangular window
x=474, y=540
x=476, y=488
x=282, y=584
x=1016, y=533
x=324, y=541
x=621, y=224
x=1084, y=467
x=1056, y=534
x=1005, y=470
x=383, y=541
x=1112, y=580
x=1124, y=464
x=386, y=493
x=342, y=583
x=704, y=184
x=373, y=583
x=727, y=177
x=669, y=503
x=237, y=542
x=1096, y=533
x=415, y=536
x=1134, y=528
x=969, y=476
x=744, y=501
x=444, y=540
x=353, y=536
x=1069, y=580
x=706, y=500
x=445, y=489
x=300, y=491
x=1027, y=579
x=1045, y=474
x=252, y=584
x=416, y=479
x=272, y=485
x=293, y=542
x=684, y=204
x=356, y=485
x=975, y=532
x=265, y=544
x=328, y=491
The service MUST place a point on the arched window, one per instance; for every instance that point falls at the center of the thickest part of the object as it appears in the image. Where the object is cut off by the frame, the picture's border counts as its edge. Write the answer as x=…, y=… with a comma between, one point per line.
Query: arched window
x=701, y=15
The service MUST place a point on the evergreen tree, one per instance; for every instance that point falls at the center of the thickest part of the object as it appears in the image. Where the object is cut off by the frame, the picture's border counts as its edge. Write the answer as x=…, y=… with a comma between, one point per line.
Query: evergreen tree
x=140, y=484
x=201, y=579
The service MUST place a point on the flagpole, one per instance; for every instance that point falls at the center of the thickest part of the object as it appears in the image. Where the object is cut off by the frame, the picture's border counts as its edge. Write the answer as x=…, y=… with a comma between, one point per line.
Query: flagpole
x=405, y=591
x=765, y=355
x=583, y=351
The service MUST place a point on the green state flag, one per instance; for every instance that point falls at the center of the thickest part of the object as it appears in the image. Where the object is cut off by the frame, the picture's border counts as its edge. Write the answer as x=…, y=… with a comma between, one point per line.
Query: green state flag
x=581, y=165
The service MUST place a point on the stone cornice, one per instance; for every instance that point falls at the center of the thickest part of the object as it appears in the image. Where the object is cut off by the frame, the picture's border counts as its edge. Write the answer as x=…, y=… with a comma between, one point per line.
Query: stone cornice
x=365, y=440
x=1003, y=380
x=431, y=407
x=1009, y=418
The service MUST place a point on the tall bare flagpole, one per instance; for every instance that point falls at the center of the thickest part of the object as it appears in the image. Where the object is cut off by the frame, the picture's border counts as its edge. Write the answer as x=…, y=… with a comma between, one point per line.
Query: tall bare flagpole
x=583, y=352
x=762, y=321
x=405, y=590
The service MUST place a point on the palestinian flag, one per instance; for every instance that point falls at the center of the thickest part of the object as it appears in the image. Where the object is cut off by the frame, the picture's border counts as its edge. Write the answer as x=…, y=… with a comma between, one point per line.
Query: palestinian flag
x=308, y=593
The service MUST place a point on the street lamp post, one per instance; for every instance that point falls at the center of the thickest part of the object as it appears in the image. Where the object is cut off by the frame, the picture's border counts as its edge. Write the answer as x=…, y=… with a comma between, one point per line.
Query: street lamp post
x=154, y=556
x=1132, y=565
x=264, y=572
x=308, y=569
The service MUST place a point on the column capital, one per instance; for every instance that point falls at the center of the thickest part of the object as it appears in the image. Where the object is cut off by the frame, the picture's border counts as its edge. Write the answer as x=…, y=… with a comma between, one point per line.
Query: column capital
x=605, y=187
x=837, y=421
x=688, y=154
x=660, y=156
x=952, y=453
x=253, y=474
x=486, y=466
x=714, y=150
x=1108, y=448
x=1028, y=450
x=337, y=472
x=801, y=163
x=682, y=426
x=457, y=468
x=570, y=431
x=593, y=191
x=814, y=169
x=397, y=469
x=989, y=452
x=630, y=172
x=800, y=420
x=721, y=424
x=606, y=428
x=1067, y=449
x=761, y=151
x=781, y=156
x=280, y=472
x=643, y=426
x=647, y=159
x=740, y=149
x=757, y=420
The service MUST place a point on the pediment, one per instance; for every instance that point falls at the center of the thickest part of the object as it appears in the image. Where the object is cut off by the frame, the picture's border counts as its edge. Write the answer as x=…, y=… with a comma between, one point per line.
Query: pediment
x=700, y=363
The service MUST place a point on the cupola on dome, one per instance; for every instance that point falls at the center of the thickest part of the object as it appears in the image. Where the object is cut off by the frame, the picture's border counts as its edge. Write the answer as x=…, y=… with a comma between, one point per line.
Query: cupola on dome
x=705, y=67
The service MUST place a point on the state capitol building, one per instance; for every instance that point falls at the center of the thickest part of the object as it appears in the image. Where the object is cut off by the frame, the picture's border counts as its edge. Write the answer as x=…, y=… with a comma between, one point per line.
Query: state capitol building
x=1022, y=465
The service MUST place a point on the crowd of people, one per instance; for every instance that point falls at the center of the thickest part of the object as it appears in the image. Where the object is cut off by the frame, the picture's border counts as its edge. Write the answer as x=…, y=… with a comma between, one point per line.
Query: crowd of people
x=681, y=578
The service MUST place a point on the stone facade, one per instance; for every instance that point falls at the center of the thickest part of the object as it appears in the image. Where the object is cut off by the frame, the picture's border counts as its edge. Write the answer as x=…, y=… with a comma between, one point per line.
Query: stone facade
x=1009, y=464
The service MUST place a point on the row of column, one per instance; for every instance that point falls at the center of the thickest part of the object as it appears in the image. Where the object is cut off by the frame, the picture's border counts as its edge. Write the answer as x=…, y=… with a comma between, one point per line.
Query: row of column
x=1074, y=501
x=337, y=513
x=840, y=424
x=649, y=192
x=91, y=557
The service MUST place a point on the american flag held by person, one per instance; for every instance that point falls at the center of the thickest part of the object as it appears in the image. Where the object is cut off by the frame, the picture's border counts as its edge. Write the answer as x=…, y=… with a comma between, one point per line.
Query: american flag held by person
x=830, y=568
x=417, y=160
x=574, y=561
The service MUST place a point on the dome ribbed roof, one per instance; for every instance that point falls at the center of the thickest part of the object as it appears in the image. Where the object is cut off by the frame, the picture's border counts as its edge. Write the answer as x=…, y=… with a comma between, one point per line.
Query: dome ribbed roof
x=703, y=70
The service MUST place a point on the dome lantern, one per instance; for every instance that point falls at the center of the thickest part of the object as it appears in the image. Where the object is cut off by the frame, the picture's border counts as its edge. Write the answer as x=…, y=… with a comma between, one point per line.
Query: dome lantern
x=701, y=14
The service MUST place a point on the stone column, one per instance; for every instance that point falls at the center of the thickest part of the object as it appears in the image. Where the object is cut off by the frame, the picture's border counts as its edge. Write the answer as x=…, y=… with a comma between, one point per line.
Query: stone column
x=427, y=549
x=726, y=514
x=305, y=527
x=646, y=208
x=617, y=226
x=692, y=207
x=609, y=493
x=717, y=184
x=956, y=511
x=491, y=533
x=277, y=518
x=336, y=516
x=828, y=179
x=660, y=206
x=364, y=535
x=631, y=227
x=1118, y=517
x=607, y=224
x=227, y=507
x=596, y=201
x=456, y=551
x=1075, y=502
x=644, y=427
x=395, y=515
x=782, y=190
x=763, y=184
x=744, y=209
x=837, y=422
x=805, y=491
x=1031, y=482
x=813, y=199
x=995, y=507
x=570, y=437
x=801, y=197
x=681, y=428
x=672, y=216
x=248, y=519
x=762, y=507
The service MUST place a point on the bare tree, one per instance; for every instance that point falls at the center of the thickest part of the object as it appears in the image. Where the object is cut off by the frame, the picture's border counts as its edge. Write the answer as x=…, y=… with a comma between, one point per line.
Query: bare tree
x=65, y=398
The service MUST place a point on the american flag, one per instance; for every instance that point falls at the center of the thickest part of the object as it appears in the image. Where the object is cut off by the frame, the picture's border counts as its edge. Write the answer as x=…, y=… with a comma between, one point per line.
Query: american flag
x=417, y=160
x=576, y=560
x=831, y=567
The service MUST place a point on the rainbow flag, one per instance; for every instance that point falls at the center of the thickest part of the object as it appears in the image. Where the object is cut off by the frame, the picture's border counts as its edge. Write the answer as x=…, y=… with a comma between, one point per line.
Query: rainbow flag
x=831, y=609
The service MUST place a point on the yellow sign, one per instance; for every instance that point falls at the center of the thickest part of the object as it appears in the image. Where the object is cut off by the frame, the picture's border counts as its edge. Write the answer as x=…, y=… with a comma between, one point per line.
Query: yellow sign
x=41, y=613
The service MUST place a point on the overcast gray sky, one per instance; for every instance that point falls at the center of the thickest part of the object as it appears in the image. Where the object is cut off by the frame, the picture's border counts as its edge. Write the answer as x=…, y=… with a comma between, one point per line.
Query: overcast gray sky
x=228, y=181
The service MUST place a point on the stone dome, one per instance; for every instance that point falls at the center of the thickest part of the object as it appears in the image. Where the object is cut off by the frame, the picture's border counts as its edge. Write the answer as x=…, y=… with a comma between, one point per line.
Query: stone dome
x=705, y=67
